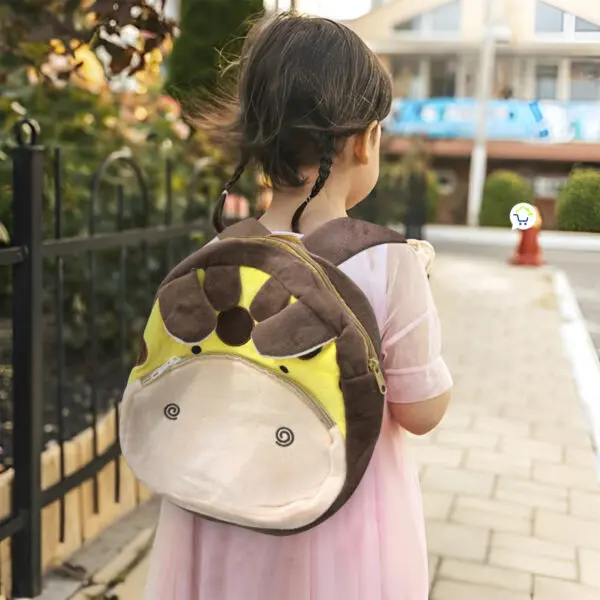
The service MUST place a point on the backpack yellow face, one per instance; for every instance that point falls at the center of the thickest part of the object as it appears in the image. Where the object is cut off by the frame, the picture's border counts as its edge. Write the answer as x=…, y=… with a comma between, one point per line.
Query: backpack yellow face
x=312, y=365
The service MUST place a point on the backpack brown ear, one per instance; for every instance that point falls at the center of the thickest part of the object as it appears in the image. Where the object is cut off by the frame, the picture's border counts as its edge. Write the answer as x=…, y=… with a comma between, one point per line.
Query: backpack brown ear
x=185, y=309
x=270, y=299
x=292, y=332
x=223, y=286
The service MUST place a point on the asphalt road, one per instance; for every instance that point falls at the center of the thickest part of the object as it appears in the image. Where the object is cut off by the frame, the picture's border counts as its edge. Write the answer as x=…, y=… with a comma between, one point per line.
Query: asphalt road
x=582, y=269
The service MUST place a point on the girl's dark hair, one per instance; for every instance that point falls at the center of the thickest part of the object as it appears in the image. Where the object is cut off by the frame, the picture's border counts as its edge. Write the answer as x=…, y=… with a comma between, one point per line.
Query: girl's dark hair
x=305, y=84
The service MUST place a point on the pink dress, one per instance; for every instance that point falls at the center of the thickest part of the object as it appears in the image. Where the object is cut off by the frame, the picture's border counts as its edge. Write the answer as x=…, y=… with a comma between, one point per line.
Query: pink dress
x=374, y=547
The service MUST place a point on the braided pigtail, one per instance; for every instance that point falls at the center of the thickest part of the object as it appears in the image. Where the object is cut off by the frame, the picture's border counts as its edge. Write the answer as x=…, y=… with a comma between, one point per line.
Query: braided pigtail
x=324, y=172
x=218, y=212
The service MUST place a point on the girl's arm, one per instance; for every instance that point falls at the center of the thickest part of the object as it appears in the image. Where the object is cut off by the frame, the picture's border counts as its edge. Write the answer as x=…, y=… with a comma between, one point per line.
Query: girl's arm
x=419, y=383
x=421, y=417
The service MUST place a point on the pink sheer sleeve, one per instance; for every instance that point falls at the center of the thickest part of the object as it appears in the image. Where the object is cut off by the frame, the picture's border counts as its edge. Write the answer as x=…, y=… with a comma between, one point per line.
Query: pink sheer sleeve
x=411, y=335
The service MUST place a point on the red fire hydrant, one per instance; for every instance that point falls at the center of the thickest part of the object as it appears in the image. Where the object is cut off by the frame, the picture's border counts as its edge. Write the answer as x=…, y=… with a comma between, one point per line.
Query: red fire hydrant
x=529, y=251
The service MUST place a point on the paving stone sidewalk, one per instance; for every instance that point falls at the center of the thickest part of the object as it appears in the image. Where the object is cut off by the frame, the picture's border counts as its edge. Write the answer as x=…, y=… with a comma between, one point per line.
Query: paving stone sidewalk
x=511, y=496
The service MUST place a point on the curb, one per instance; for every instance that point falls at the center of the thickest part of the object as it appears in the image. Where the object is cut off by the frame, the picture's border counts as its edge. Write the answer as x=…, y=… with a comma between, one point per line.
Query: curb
x=116, y=570
x=492, y=236
x=582, y=355
x=114, y=573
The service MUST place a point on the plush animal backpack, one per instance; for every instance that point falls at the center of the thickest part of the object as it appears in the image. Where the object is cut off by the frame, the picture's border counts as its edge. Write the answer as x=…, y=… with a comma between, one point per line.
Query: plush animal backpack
x=258, y=395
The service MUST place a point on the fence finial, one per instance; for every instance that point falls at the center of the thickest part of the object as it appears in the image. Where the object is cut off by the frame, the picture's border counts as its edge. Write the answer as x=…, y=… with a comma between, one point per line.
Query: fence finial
x=26, y=132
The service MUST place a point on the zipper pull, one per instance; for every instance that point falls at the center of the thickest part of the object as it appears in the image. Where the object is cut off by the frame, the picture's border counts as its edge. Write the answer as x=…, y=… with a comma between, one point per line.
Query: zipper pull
x=375, y=368
x=162, y=369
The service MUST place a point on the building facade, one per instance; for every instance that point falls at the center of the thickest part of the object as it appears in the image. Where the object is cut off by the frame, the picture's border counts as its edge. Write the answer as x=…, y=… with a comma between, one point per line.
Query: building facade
x=546, y=50
x=549, y=50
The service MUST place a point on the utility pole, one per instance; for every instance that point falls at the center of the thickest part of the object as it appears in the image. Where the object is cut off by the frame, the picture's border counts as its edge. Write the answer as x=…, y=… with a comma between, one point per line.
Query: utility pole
x=487, y=62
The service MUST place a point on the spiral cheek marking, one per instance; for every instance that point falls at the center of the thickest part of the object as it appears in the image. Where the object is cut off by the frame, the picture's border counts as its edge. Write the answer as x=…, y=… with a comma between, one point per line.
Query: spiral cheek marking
x=284, y=437
x=172, y=411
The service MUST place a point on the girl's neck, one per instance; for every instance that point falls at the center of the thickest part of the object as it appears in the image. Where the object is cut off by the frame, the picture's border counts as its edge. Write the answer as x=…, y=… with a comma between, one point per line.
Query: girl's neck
x=324, y=207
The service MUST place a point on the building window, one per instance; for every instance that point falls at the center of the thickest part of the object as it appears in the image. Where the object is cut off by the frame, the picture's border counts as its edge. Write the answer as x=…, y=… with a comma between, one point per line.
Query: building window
x=558, y=24
x=443, y=79
x=446, y=17
x=585, y=81
x=414, y=24
x=546, y=80
x=583, y=26
x=548, y=19
x=549, y=186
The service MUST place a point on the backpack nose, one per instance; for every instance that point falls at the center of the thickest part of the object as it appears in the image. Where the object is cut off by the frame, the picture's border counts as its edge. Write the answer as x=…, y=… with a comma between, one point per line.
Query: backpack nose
x=234, y=326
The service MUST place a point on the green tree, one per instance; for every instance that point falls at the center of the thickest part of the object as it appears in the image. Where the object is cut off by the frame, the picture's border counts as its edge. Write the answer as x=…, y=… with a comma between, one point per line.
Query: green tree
x=578, y=207
x=386, y=205
x=212, y=31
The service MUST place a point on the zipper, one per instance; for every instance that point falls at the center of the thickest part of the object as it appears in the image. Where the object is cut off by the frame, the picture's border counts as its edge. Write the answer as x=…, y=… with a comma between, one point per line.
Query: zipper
x=298, y=250
x=171, y=364
x=309, y=401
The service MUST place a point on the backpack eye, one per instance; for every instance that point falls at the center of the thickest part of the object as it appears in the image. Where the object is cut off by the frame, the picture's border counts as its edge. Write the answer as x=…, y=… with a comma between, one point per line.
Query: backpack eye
x=311, y=354
x=284, y=437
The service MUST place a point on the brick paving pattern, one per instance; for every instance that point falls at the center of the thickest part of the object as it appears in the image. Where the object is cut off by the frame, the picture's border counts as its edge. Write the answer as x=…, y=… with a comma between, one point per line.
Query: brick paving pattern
x=511, y=496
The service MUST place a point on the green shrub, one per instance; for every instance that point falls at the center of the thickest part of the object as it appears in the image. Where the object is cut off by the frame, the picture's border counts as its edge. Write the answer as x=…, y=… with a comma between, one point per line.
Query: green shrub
x=578, y=206
x=387, y=204
x=502, y=190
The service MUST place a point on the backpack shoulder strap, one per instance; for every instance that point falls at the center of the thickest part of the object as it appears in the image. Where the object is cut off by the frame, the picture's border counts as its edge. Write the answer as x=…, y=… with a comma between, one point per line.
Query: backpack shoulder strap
x=341, y=239
x=246, y=228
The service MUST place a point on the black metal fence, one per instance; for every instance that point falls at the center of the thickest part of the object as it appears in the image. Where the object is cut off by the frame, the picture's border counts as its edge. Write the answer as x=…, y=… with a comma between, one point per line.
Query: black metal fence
x=39, y=322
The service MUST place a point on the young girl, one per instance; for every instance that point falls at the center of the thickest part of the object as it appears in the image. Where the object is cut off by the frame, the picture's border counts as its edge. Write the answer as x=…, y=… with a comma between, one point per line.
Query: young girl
x=312, y=97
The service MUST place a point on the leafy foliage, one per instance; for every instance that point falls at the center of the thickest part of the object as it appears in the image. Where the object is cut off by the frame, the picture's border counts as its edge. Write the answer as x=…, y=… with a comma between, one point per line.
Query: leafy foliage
x=578, y=207
x=194, y=64
x=387, y=204
x=502, y=190
x=32, y=32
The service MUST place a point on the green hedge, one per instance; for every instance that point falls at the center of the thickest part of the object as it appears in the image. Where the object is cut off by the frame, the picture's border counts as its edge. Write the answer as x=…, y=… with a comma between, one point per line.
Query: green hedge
x=502, y=190
x=387, y=204
x=578, y=206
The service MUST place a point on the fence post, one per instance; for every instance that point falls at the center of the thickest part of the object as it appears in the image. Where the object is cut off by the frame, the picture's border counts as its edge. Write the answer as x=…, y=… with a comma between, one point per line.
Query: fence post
x=28, y=173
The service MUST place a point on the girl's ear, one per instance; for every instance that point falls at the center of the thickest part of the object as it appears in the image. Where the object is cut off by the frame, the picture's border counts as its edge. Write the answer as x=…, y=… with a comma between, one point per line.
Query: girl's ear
x=366, y=143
